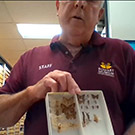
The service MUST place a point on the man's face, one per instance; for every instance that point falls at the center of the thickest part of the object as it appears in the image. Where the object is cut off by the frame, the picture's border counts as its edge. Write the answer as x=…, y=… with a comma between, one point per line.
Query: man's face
x=79, y=15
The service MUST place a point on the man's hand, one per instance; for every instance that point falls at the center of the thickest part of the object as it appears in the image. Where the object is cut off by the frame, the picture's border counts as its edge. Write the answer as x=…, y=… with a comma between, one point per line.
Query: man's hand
x=12, y=107
x=55, y=81
x=131, y=130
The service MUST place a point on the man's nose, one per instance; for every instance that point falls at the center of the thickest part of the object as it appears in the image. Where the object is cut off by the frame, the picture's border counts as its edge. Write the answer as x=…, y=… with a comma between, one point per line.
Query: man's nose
x=80, y=3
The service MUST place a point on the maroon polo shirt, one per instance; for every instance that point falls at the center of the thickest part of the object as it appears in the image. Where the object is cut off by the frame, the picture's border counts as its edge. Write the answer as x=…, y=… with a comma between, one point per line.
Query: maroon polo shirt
x=104, y=64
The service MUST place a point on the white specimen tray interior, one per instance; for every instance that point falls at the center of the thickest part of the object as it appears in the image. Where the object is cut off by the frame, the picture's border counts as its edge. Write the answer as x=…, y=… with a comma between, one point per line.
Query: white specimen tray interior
x=82, y=114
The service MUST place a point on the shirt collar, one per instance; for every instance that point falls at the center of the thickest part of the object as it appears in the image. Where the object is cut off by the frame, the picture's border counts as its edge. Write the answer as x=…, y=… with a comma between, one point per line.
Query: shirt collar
x=96, y=40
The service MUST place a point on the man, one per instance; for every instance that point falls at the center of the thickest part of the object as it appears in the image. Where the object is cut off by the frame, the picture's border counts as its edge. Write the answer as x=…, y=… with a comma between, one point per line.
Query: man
x=78, y=59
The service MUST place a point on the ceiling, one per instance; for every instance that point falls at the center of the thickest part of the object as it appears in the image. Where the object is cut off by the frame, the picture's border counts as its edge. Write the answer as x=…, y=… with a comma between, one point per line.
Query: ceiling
x=12, y=45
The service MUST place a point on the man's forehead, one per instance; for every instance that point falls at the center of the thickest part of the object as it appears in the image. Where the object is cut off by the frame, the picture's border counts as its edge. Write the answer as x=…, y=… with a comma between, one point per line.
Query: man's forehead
x=82, y=0
x=99, y=1
x=102, y=1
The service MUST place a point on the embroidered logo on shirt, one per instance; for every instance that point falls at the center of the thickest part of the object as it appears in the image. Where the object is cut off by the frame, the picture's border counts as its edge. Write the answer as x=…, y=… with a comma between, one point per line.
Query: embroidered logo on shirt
x=45, y=66
x=106, y=69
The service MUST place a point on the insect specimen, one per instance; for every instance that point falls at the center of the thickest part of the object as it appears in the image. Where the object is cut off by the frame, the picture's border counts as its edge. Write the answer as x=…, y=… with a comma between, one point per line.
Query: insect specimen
x=59, y=127
x=92, y=107
x=86, y=107
x=69, y=111
x=95, y=101
x=96, y=118
x=68, y=101
x=81, y=98
x=84, y=120
x=97, y=106
x=95, y=96
x=88, y=116
x=88, y=102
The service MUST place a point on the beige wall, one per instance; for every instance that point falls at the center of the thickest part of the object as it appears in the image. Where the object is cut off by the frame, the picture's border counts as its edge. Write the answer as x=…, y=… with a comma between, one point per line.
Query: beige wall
x=121, y=16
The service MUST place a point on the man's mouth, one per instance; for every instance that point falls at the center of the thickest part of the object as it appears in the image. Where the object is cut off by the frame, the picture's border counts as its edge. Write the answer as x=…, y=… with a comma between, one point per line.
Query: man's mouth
x=77, y=17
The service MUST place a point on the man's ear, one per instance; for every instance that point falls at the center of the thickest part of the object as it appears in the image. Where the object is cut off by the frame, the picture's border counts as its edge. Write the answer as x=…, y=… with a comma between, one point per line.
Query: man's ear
x=101, y=12
x=57, y=4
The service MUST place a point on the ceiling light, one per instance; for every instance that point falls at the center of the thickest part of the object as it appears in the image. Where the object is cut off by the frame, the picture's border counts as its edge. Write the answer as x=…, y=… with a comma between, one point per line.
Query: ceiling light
x=39, y=31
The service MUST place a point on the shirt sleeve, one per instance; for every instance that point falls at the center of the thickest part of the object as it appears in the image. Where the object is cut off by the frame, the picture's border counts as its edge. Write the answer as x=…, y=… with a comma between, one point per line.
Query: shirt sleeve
x=129, y=104
x=15, y=82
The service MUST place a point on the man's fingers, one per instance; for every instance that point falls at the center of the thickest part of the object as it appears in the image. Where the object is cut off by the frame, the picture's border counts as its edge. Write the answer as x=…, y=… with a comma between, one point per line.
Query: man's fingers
x=73, y=88
x=60, y=78
x=67, y=82
x=61, y=81
x=55, y=81
x=51, y=84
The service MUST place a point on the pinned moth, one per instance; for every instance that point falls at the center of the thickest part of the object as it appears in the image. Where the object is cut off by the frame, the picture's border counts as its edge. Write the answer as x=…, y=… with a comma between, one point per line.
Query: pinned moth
x=68, y=108
x=95, y=96
x=68, y=101
x=81, y=99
